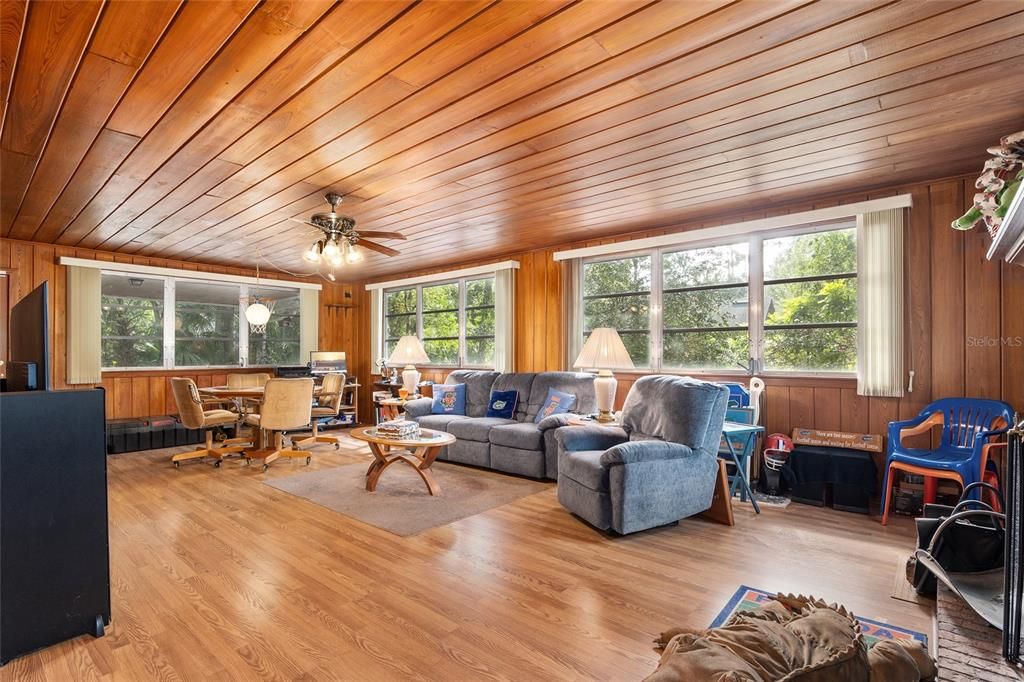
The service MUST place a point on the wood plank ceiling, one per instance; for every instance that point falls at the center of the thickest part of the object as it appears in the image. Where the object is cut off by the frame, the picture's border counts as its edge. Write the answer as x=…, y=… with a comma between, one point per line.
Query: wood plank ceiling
x=194, y=130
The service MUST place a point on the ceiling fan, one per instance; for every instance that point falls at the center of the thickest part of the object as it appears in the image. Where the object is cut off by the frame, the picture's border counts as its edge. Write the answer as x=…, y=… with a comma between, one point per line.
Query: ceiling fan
x=338, y=243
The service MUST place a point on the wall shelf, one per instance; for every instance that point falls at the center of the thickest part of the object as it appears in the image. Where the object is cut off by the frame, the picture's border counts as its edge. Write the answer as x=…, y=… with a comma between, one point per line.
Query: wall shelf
x=1008, y=244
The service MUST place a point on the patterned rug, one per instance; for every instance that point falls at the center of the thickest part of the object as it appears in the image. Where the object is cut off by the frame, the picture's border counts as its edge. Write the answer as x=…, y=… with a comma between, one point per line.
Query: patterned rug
x=747, y=598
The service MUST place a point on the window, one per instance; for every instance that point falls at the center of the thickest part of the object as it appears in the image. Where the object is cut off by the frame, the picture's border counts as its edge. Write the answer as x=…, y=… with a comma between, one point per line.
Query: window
x=455, y=320
x=279, y=344
x=399, y=317
x=810, y=302
x=132, y=325
x=617, y=294
x=480, y=322
x=168, y=322
x=692, y=309
x=705, y=301
x=205, y=325
x=441, y=323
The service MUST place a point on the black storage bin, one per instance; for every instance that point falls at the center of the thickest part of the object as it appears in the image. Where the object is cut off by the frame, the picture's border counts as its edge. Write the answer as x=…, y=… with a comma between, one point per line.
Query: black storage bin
x=809, y=493
x=844, y=476
x=851, y=498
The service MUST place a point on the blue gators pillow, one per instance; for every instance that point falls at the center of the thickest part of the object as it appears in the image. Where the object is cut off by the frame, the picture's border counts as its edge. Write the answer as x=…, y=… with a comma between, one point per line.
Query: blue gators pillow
x=449, y=399
x=503, y=404
x=557, y=402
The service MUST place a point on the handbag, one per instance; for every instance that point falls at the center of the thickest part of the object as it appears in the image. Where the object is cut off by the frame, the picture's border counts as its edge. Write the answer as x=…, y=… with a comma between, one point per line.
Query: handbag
x=966, y=546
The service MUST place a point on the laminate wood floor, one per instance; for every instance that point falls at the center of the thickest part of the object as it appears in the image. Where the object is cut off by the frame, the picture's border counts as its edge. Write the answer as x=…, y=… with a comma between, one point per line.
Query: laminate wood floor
x=216, y=576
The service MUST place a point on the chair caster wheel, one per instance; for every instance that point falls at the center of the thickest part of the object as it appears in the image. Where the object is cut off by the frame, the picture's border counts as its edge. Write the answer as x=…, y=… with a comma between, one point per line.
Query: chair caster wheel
x=308, y=460
x=337, y=446
x=177, y=465
x=216, y=465
x=265, y=467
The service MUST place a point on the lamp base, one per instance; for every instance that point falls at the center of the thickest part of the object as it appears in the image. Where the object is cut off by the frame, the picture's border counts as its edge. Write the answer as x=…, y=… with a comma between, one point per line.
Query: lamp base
x=410, y=380
x=604, y=395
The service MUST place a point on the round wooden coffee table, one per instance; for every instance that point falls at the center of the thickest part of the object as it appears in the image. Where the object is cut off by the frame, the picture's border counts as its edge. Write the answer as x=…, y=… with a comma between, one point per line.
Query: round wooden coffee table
x=419, y=453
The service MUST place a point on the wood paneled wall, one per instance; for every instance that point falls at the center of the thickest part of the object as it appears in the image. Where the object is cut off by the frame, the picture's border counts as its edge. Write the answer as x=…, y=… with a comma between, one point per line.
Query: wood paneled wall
x=965, y=321
x=146, y=393
x=965, y=325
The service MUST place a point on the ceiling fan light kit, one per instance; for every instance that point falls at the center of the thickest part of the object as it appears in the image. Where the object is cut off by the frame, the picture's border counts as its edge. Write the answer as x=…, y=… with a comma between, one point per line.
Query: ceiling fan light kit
x=338, y=247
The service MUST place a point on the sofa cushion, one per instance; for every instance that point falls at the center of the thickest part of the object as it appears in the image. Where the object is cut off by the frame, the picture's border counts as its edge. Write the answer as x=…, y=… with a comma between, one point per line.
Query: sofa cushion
x=476, y=428
x=478, y=389
x=578, y=384
x=556, y=402
x=503, y=404
x=439, y=422
x=522, y=435
x=449, y=399
x=522, y=383
x=584, y=467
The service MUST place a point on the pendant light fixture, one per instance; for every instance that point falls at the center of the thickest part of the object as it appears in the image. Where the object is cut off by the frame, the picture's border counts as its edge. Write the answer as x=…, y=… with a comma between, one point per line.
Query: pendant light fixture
x=256, y=313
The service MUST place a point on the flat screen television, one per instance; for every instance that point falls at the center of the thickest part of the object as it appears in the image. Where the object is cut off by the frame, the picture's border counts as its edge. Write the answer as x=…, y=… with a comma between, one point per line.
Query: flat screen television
x=30, y=336
x=323, y=362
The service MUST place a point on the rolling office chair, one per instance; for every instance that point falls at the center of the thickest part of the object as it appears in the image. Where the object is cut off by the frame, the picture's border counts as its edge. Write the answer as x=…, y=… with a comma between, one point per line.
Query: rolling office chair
x=328, y=405
x=246, y=380
x=194, y=415
x=286, y=406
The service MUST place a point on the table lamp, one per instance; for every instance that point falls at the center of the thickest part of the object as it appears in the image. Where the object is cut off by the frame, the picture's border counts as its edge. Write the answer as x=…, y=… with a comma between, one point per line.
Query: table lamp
x=603, y=351
x=409, y=352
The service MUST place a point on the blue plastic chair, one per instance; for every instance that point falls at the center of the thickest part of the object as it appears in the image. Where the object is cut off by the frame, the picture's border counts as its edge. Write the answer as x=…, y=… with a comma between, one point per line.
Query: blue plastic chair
x=968, y=425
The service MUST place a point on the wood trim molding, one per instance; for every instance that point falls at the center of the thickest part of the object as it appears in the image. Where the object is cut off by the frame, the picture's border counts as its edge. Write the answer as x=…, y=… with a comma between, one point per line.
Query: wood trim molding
x=446, y=275
x=183, y=274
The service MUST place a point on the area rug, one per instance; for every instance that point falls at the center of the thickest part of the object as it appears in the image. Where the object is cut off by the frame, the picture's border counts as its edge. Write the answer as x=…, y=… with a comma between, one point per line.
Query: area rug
x=747, y=598
x=401, y=504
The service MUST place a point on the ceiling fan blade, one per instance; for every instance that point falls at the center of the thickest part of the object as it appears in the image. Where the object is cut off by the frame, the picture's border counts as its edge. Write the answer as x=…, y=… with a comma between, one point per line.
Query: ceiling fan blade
x=381, y=235
x=379, y=248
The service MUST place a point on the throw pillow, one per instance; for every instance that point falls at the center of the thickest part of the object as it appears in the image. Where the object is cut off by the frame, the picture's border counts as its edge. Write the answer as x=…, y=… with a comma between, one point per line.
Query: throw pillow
x=503, y=404
x=556, y=402
x=449, y=399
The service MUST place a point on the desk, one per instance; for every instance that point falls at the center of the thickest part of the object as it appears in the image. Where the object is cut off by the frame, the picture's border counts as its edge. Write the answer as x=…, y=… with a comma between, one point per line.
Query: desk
x=746, y=432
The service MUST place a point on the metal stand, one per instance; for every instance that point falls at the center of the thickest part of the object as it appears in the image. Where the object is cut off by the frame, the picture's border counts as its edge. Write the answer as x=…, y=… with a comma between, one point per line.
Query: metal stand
x=1013, y=581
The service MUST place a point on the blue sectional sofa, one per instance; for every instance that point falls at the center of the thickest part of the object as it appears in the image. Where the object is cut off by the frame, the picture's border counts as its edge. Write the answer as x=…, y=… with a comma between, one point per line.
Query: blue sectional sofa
x=516, y=446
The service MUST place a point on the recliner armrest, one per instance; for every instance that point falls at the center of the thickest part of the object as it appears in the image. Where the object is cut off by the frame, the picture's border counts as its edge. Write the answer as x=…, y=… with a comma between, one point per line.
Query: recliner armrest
x=645, y=451
x=579, y=438
x=556, y=420
x=420, y=407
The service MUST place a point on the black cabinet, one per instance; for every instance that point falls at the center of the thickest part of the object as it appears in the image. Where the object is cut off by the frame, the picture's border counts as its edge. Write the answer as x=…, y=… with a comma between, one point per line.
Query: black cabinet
x=54, y=553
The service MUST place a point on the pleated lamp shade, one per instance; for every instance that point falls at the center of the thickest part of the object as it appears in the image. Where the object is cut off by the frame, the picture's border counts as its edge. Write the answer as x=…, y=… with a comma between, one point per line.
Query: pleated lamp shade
x=408, y=351
x=604, y=350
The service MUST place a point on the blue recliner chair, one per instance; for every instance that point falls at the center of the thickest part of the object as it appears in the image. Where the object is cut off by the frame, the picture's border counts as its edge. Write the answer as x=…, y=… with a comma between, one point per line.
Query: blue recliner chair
x=659, y=467
x=968, y=424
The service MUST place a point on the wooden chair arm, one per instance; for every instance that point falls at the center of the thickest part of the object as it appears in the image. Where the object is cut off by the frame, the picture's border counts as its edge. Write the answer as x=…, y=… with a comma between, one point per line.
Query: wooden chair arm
x=924, y=427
